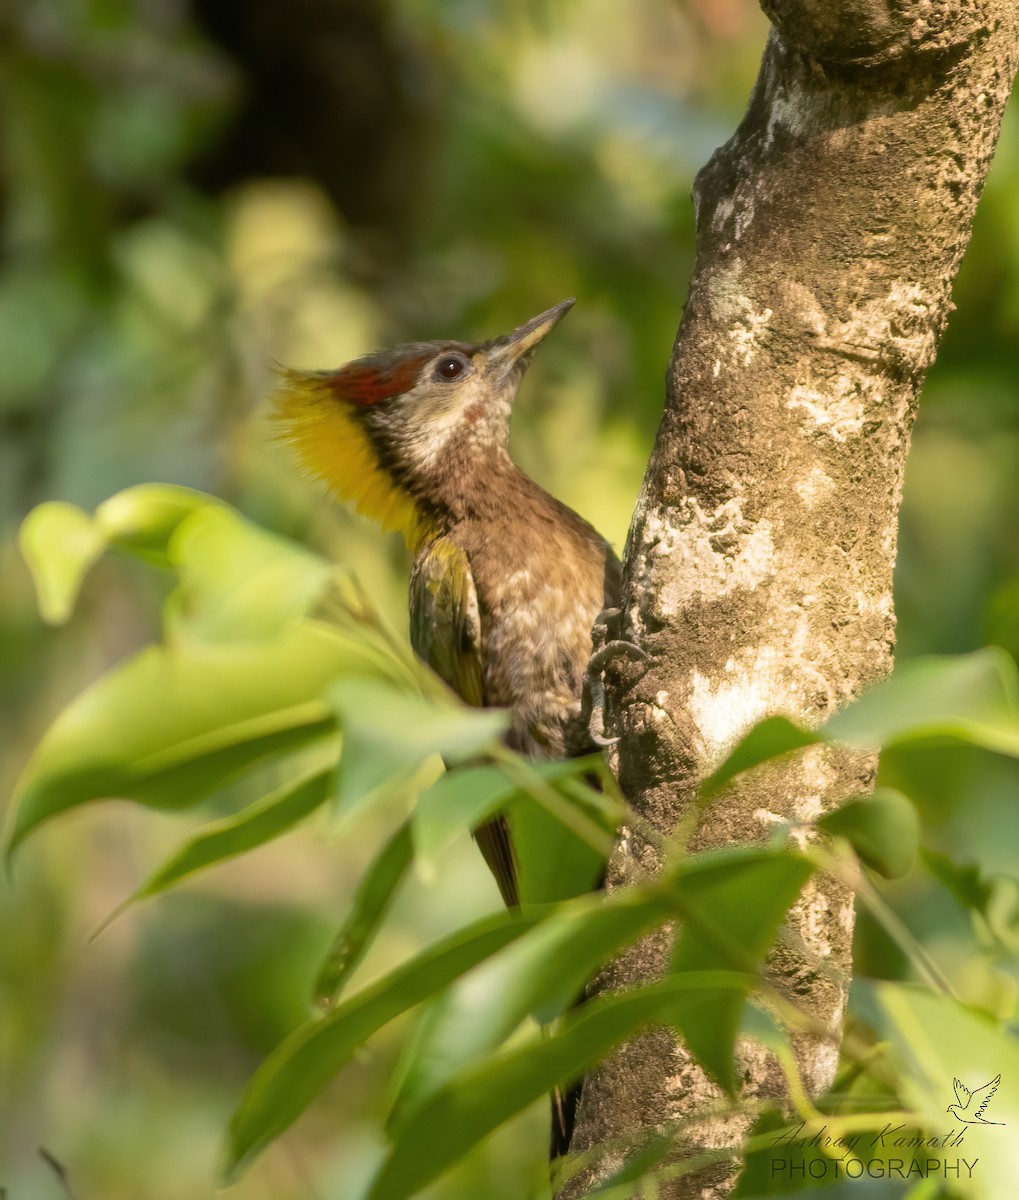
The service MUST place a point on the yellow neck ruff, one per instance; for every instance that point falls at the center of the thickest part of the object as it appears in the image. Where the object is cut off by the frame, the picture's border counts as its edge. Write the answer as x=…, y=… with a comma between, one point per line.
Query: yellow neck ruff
x=333, y=447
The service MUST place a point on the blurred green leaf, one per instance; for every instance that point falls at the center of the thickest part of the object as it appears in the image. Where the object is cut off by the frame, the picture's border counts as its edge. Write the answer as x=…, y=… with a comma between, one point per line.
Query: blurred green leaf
x=969, y=698
x=991, y=900
x=563, y=829
x=479, y=1099
x=620, y=1184
x=388, y=732
x=965, y=881
x=1001, y=912
x=142, y=520
x=59, y=543
x=883, y=828
x=254, y=826
x=934, y=1040
x=731, y=906
x=460, y=801
x=170, y=725
x=768, y=739
x=238, y=581
x=369, y=908
x=541, y=975
x=554, y=860
x=297, y=1070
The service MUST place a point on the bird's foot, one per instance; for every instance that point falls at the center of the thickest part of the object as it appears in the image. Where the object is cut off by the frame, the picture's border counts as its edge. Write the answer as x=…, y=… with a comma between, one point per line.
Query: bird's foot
x=594, y=683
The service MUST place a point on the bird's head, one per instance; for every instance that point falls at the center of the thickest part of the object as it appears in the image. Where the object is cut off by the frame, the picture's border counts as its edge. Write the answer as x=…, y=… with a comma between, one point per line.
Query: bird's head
x=386, y=429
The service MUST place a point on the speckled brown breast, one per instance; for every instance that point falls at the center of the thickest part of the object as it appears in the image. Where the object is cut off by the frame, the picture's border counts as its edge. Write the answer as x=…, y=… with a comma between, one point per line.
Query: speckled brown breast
x=542, y=576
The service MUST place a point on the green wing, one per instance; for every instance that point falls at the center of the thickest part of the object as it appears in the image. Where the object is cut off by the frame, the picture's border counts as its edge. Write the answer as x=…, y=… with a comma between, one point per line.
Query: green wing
x=445, y=628
x=445, y=631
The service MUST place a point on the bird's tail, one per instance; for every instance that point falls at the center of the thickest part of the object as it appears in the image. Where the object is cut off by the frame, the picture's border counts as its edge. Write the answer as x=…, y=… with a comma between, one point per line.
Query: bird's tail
x=565, y=1102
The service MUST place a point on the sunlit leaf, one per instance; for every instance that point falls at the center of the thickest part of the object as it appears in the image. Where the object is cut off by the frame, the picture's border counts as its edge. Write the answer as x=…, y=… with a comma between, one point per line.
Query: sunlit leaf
x=238, y=581
x=545, y=972
x=731, y=904
x=371, y=903
x=170, y=725
x=141, y=520
x=297, y=1070
x=479, y=1099
x=59, y=543
x=883, y=828
x=971, y=698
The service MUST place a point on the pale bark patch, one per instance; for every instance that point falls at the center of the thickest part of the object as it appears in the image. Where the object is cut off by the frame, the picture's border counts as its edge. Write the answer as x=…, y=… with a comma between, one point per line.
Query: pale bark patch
x=699, y=547
x=838, y=410
x=816, y=486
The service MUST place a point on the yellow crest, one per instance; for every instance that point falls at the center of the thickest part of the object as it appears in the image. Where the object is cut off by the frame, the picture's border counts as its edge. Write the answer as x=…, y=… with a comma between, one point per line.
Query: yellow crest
x=333, y=447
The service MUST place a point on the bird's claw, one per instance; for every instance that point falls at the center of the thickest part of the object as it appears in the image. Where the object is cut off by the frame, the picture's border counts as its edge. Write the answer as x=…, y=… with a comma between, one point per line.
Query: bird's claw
x=615, y=649
x=595, y=697
x=594, y=690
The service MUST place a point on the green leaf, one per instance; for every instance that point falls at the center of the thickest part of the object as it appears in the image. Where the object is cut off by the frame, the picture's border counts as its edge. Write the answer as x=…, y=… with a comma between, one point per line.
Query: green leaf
x=59, y=543
x=388, y=732
x=554, y=862
x=563, y=829
x=768, y=739
x=141, y=520
x=238, y=581
x=460, y=801
x=371, y=903
x=171, y=725
x=934, y=1040
x=254, y=826
x=621, y=1183
x=972, y=698
x=297, y=1070
x=731, y=903
x=479, y=1099
x=965, y=881
x=545, y=972
x=541, y=975
x=991, y=900
x=883, y=829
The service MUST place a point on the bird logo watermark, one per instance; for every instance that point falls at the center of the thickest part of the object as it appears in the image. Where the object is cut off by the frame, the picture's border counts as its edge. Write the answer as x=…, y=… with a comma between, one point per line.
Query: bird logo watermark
x=970, y=1105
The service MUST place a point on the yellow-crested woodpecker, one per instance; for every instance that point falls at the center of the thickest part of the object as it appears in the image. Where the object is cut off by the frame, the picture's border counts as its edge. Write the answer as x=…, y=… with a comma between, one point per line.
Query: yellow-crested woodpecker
x=507, y=581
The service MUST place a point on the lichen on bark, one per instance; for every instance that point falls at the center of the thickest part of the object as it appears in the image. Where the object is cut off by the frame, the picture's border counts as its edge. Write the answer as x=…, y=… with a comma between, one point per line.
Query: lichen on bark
x=758, y=571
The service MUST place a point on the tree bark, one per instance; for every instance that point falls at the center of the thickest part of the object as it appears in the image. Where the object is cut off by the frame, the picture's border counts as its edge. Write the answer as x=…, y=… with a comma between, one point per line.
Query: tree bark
x=758, y=571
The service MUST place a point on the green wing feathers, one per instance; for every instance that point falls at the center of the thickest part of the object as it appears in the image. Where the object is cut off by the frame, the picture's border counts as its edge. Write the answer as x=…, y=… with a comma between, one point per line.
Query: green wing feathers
x=445, y=628
x=445, y=631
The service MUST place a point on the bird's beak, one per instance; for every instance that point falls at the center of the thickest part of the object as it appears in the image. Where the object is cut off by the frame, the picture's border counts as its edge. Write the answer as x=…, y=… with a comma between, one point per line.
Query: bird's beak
x=512, y=349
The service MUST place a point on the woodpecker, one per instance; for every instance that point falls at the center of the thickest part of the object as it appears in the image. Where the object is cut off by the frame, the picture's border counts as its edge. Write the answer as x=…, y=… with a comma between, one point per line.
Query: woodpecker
x=507, y=582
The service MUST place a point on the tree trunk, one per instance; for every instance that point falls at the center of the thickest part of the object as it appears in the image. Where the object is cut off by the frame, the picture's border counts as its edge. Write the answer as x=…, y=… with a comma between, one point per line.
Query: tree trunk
x=758, y=572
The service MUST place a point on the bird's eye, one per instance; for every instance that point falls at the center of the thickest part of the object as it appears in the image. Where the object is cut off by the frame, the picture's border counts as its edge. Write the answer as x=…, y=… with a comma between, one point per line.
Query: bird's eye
x=451, y=366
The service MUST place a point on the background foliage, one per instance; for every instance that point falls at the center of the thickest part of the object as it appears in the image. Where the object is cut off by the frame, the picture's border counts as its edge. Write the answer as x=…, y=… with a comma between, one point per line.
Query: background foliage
x=188, y=191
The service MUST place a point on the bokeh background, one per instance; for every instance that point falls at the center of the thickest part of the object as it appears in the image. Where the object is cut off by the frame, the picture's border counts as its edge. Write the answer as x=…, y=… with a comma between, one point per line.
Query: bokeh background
x=189, y=190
